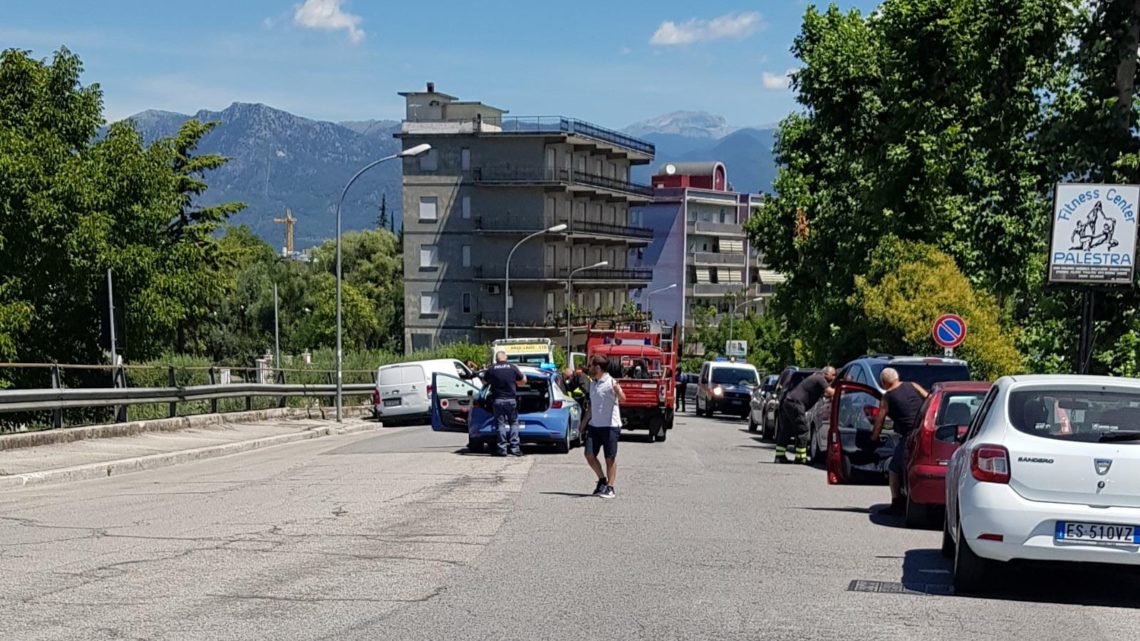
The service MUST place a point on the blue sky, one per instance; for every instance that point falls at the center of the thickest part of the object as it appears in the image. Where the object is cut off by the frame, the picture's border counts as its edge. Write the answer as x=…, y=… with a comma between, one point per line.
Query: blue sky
x=613, y=62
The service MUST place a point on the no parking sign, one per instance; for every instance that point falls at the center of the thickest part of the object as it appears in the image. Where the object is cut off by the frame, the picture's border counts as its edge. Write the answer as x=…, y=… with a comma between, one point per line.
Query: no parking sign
x=949, y=331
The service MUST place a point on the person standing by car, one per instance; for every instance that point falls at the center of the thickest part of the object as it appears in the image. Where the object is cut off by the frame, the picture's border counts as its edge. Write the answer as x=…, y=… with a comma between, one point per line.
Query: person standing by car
x=577, y=386
x=902, y=402
x=603, y=425
x=682, y=384
x=504, y=379
x=793, y=414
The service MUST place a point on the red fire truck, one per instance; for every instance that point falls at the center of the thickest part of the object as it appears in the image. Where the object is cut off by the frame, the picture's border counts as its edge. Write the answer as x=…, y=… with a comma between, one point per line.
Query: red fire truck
x=643, y=356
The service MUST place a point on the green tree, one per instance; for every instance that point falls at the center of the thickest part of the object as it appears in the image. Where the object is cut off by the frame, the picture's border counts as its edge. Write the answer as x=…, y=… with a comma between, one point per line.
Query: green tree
x=909, y=285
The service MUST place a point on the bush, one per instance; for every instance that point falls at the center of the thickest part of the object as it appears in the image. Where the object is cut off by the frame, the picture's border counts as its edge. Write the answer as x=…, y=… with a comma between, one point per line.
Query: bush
x=908, y=286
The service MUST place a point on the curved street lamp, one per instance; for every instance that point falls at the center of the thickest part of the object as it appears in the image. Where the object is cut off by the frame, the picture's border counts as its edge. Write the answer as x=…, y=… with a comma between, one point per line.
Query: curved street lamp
x=407, y=153
x=732, y=317
x=570, y=295
x=507, y=276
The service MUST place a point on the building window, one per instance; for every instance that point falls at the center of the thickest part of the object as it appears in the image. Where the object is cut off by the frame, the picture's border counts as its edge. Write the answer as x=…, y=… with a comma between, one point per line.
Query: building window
x=428, y=206
x=467, y=255
x=465, y=159
x=429, y=161
x=466, y=206
x=429, y=256
x=466, y=302
x=429, y=303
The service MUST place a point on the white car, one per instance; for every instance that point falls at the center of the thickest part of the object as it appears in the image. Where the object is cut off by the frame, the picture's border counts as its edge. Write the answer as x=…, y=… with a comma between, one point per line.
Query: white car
x=403, y=390
x=1048, y=471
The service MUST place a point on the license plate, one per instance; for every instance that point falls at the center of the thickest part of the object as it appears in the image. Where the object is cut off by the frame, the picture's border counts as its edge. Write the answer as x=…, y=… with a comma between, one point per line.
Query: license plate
x=391, y=402
x=1075, y=532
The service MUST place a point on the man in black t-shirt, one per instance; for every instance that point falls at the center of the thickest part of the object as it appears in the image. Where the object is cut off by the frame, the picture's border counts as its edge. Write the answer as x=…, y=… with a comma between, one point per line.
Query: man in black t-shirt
x=503, y=379
x=793, y=414
x=902, y=403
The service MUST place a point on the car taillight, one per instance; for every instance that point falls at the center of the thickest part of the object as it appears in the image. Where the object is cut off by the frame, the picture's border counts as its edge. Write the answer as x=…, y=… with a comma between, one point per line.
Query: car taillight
x=661, y=394
x=429, y=391
x=443, y=404
x=990, y=464
x=925, y=442
x=556, y=405
x=375, y=397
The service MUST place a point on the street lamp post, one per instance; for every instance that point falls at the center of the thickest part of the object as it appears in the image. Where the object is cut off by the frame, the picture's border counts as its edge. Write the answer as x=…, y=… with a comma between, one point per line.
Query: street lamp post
x=649, y=298
x=570, y=296
x=507, y=276
x=732, y=317
x=407, y=153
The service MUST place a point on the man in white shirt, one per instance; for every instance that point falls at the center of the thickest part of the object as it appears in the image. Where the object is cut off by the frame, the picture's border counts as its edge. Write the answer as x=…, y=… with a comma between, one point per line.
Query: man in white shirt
x=603, y=425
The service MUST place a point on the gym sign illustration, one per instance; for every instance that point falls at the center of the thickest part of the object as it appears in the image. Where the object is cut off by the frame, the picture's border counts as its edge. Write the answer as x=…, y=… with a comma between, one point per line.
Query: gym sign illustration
x=1094, y=234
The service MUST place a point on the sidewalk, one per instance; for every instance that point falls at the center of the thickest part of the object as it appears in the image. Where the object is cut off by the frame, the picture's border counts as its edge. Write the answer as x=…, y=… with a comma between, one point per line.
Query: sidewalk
x=102, y=457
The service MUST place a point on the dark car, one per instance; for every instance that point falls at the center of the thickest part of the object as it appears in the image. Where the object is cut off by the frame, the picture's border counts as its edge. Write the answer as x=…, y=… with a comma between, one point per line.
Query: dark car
x=840, y=428
x=789, y=379
x=760, y=398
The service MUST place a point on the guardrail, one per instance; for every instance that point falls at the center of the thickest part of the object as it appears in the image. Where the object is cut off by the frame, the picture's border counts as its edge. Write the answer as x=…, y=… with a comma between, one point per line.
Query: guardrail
x=60, y=398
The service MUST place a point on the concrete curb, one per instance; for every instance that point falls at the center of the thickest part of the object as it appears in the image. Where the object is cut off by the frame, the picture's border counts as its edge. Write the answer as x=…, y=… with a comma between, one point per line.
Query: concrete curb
x=72, y=434
x=166, y=459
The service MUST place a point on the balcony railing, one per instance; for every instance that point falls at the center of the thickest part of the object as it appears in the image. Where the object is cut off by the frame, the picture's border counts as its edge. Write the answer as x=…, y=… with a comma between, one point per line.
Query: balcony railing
x=571, y=126
x=501, y=224
x=585, y=227
x=550, y=175
x=528, y=272
x=718, y=229
x=718, y=289
x=607, y=273
x=716, y=258
x=557, y=320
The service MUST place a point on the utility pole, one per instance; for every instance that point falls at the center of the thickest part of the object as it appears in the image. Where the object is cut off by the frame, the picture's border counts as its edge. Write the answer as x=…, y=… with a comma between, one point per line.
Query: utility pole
x=111, y=316
x=276, y=332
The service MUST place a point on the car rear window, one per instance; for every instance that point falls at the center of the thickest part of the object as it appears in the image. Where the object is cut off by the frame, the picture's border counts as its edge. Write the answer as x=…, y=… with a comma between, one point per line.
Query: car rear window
x=957, y=410
x=925, y=374
x=1075, y=414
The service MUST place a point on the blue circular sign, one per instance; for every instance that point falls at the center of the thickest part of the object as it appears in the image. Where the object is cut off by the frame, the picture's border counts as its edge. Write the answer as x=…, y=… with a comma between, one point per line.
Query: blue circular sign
x=949, y=331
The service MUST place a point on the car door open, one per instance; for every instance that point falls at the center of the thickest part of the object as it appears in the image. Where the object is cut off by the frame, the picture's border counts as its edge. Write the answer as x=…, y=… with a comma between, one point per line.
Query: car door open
x=853, y=410
x=452, y=400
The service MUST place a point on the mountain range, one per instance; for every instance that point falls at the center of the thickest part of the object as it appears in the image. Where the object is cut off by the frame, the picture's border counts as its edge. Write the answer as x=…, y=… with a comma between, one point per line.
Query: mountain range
x=279, y=160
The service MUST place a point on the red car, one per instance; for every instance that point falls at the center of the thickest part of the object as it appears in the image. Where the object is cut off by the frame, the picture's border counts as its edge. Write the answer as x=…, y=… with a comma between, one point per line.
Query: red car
x=946, y=414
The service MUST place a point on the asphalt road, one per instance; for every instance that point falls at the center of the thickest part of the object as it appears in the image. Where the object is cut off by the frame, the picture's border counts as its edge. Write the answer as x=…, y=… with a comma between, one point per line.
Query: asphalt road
x=400, y=535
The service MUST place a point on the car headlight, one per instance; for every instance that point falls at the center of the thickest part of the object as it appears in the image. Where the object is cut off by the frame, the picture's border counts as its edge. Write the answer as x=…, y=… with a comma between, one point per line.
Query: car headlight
x=718, y=391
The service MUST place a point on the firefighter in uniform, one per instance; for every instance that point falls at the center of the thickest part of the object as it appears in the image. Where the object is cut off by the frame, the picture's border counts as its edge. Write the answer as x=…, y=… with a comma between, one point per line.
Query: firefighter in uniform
x=793, y=414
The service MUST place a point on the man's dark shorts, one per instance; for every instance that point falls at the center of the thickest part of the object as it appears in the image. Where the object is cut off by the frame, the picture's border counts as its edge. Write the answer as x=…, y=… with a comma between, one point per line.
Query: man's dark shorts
x=898, y=459
x=599, y=438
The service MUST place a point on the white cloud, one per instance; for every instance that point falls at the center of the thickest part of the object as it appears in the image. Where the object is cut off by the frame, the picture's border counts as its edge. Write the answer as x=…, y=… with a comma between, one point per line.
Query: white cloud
x=775, y=81
x=328, y=15
x=729, y=26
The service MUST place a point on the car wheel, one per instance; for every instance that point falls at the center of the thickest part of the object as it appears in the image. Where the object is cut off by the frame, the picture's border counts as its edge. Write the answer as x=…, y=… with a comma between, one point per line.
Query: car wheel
x=751, y=423
x=917, y=514
x=475, y=447
x=766, y=430
x=657, y=431
x=697, y=403
x=947, y=540
x=563, y=446
x=971, y=572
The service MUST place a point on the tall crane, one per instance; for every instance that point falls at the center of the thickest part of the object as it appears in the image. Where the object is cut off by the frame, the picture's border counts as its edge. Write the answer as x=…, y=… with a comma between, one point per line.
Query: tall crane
x=289, y=221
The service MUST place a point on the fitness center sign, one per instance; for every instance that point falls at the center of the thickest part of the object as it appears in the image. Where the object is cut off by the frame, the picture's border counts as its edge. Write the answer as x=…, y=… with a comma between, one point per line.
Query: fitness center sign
x=1094, y=234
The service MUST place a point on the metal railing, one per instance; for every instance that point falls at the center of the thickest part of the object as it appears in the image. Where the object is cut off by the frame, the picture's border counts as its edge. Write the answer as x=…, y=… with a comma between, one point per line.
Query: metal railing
x=716, y=258
x=718, y=229
x=71, y=387
x=536, y=175
x=572, y=126
x=562, y=273
x=556, y=320
x=503, y=226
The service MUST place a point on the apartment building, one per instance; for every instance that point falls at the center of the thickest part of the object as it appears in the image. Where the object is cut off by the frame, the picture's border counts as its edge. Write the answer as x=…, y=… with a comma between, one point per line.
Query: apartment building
x=700, y=245
x=489, y=181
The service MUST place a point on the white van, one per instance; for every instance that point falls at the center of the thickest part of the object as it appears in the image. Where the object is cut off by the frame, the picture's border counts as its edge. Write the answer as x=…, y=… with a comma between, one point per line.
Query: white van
x=403, y=390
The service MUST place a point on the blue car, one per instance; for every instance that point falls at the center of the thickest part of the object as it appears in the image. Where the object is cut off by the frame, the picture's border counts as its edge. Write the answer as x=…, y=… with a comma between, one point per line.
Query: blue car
x=546, y=413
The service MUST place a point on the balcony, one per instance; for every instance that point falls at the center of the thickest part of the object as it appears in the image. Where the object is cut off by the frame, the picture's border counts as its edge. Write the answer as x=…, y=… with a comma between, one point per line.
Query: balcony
x=716, y=258
x=718, y=229
x=504, y=226
x=542, y=176
x=718, y=289
x=552, y=321
x=558, y=275
x=530, y=125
